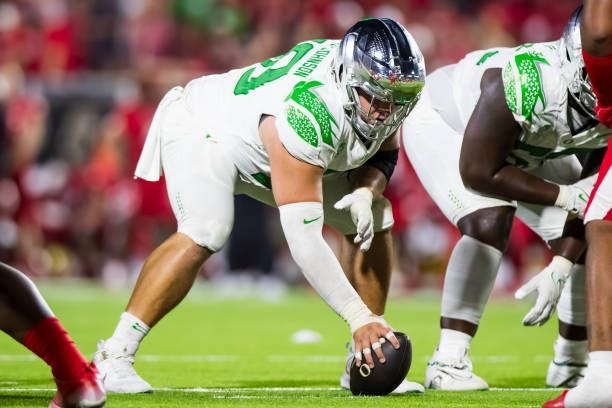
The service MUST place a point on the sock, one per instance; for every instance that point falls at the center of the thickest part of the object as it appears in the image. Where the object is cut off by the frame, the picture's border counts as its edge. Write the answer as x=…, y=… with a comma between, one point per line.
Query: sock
x=129, y=333
x=601, y=362
x=50, y=341
x=453, y=344
x=570, y=350
x=454, y=337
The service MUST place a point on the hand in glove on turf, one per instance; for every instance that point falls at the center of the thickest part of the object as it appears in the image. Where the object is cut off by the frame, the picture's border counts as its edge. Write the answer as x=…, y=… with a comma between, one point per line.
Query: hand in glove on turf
x=573, y=198
x=359, y=202
x=549, y=284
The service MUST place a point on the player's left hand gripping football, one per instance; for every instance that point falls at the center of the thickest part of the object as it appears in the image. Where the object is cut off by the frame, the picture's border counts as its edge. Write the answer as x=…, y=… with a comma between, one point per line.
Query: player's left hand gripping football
x=549, y=283
x=359, y=202
x=369, y=338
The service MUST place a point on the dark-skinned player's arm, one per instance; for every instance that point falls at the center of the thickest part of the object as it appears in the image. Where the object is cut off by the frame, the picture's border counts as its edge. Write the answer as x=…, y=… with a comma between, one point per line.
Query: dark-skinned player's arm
x=489, y=138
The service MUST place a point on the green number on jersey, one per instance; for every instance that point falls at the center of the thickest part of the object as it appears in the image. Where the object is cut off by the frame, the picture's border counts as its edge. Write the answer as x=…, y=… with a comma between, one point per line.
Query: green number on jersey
x=247, y=83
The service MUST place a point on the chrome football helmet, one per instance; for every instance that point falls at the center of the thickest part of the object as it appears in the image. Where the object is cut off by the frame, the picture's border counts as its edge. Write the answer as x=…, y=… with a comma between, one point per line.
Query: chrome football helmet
x=379, y=60
x=580, y=92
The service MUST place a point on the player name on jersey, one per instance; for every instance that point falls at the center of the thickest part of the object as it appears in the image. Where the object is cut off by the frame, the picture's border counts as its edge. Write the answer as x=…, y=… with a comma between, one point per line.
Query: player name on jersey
x=312, y=63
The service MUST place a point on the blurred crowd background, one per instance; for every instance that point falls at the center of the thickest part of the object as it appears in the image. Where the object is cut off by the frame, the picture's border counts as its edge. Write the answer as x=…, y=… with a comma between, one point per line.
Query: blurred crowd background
x=79, y=83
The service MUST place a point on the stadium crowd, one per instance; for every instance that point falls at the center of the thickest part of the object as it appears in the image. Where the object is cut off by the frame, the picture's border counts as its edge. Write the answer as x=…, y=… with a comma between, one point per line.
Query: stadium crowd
x=80, y=80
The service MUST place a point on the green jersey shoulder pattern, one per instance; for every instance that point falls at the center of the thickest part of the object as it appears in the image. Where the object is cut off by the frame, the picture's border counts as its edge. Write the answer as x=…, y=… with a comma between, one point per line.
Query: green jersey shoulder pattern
x=523, y=85
x=536, y=85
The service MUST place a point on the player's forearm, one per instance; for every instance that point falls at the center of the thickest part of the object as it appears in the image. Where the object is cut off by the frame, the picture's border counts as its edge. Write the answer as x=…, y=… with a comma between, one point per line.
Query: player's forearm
x=369, y=177
x=302, y=224
x=572, y=243
x=596, y=30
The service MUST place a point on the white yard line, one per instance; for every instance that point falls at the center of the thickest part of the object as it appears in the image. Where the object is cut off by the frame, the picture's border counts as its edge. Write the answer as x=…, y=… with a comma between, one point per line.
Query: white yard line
x=223, y=358
x=260, y=389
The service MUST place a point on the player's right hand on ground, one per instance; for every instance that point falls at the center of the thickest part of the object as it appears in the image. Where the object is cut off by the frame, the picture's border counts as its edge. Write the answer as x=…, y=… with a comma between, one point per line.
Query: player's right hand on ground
x=369, y=338
x=549, y=283
x=573, y=198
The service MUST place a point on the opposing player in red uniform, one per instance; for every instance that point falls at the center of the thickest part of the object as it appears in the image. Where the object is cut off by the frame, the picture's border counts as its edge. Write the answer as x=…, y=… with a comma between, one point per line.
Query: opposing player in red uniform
x=595, y=390
x=26, y=317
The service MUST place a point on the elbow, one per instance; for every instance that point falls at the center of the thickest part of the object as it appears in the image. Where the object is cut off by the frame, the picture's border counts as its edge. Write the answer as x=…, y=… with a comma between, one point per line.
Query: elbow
x=598, y=42
x=599, y=46
x=474, y=178
x=469, y=174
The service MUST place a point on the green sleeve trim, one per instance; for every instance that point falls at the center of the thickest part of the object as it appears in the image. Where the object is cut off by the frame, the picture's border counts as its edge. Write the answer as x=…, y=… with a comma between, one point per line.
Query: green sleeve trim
x=263, y=179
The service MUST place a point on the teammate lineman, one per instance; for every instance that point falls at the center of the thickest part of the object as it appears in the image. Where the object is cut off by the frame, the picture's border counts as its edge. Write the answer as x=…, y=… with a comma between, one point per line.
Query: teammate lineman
x=503, y=145
x=301, y=131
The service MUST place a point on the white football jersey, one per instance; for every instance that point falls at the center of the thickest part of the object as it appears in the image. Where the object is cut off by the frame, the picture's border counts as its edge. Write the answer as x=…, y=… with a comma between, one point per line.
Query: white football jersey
x=299, y=89
x=536, y=86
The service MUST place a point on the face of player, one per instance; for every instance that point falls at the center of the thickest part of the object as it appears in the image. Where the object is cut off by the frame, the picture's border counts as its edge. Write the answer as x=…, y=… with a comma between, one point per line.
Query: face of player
x=373, y=110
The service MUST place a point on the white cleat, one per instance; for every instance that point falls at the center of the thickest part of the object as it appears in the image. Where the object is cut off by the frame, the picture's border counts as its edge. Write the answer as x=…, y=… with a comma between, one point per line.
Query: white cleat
x=593, y=391
x=116, y=370
x=565, y=374
x=405, y=386
x=452, y=371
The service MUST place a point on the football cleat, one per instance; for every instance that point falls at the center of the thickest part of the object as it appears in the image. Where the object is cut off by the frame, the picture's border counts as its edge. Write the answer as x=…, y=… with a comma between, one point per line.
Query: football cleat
x=88, y=393
x=405, y=386
x=116, y=370
x=451, y=370
x=565, y=374
x=558, y=402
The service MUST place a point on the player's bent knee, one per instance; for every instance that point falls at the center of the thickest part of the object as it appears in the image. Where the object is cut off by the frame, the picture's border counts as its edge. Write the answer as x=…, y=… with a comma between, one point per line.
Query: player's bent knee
x=490, y=226
x=211, y=235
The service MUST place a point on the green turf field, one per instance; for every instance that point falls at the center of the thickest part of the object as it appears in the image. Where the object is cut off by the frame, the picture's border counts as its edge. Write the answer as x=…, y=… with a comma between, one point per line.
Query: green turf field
x=214, y=352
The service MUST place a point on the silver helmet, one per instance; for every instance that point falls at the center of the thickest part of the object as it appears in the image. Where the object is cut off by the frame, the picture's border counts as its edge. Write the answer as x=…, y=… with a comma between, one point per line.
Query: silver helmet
x=580, y=92
x=379, y=59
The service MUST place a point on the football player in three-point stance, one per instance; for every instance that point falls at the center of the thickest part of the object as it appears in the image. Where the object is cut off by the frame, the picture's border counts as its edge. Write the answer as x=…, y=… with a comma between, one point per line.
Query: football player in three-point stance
x=595, y=389
x=503, y=145
x=26, y=317
x=303, y=131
